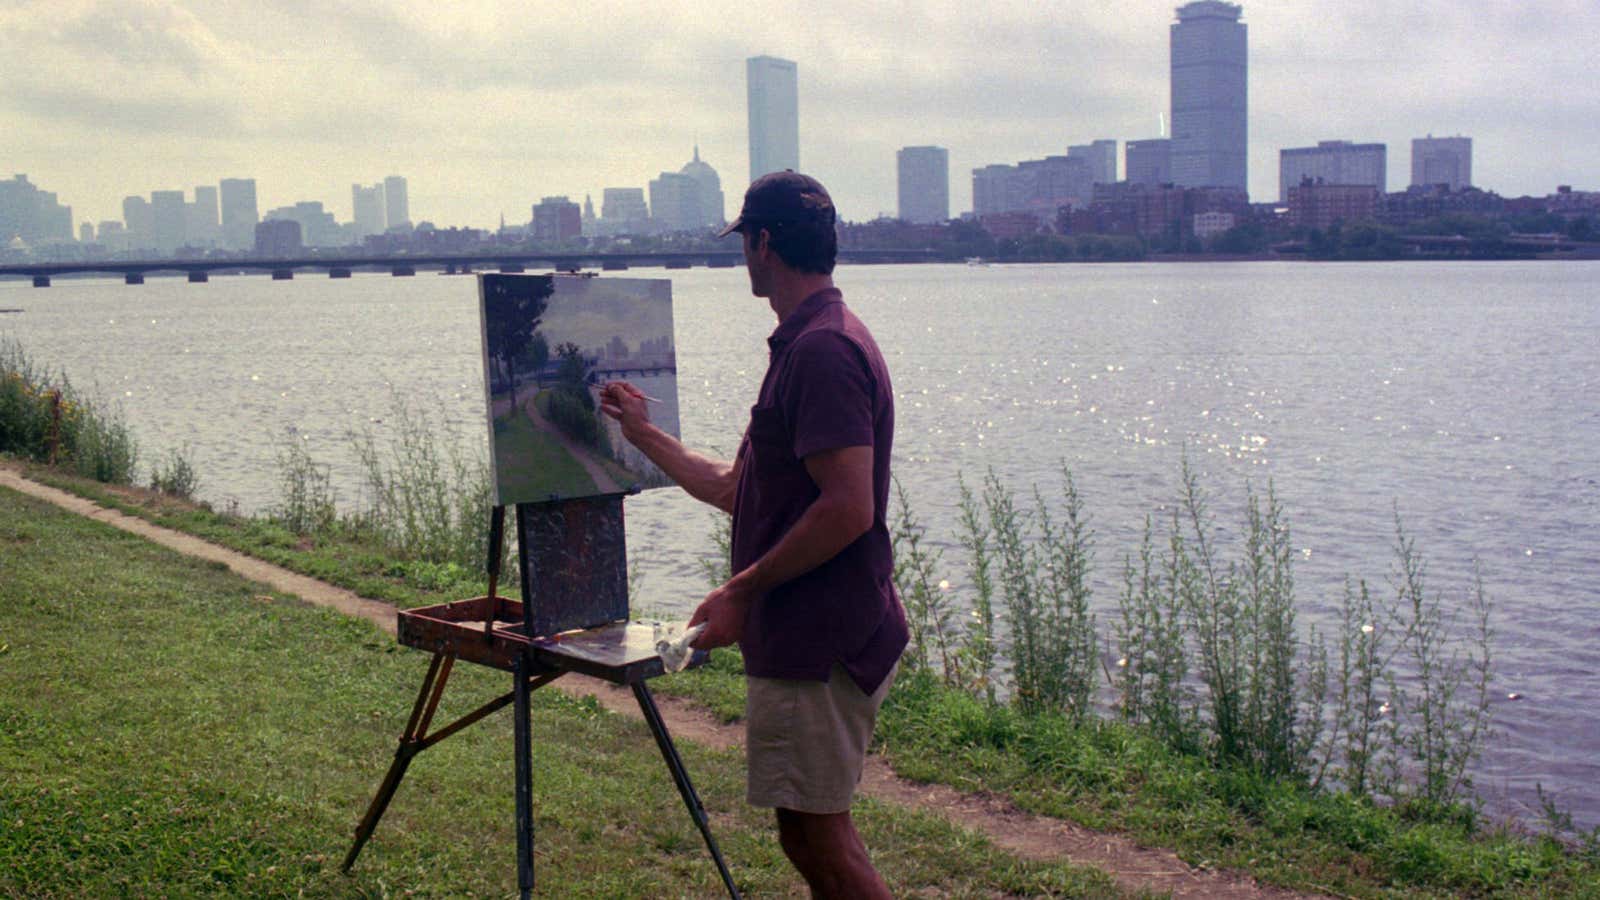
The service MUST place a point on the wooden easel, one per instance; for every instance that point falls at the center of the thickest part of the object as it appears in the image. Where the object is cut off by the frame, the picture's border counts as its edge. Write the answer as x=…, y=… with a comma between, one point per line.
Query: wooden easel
x=573, y=617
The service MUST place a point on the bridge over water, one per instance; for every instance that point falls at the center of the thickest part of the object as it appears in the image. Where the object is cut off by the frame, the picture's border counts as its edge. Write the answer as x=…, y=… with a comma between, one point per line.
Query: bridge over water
x=341, y=266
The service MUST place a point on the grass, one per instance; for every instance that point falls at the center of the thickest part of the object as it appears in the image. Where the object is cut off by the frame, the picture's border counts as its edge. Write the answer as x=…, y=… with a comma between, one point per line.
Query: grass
x=1115, y=777
x=1103, y=774
x=169, y=729
x=531, y=463
x=352, y=558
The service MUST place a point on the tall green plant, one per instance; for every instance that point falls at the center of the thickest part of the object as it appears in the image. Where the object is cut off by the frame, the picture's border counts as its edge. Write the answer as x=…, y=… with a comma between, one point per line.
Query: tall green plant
x=1069, y=649
x=1152, y=637
x=1350, y=749
x=1441, y=708
x=978, y=652
x=1019, y=589
x=306, y=498
x=425, y=495
x=929, y=615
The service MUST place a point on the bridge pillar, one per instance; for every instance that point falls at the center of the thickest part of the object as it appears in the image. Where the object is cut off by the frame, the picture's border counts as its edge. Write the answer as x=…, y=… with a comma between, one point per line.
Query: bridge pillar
x=41, y=281
x=338, y=272
x=199, y=276
x=512, y=268
x=282, y=274
x=403, y=271
x=133, y=278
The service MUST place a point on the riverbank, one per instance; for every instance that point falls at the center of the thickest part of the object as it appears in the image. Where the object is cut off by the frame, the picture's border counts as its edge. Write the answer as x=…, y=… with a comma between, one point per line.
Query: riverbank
x=169, y=728
x=1106, y=777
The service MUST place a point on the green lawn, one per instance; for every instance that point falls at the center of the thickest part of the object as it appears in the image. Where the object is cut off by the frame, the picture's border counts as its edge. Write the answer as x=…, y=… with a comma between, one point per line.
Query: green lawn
x=167, y=729
x=531, y=465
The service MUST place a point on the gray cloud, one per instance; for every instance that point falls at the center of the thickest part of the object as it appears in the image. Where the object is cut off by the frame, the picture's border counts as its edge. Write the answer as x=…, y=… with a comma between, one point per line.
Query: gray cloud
x=488, y=106
x=98, y=112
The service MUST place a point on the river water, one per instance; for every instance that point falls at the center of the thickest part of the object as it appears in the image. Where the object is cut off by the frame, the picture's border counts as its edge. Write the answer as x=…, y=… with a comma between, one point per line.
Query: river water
x=1460, y=395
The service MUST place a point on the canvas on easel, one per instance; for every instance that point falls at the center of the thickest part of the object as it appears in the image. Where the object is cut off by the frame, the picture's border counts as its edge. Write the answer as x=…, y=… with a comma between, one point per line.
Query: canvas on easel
x=550, y=344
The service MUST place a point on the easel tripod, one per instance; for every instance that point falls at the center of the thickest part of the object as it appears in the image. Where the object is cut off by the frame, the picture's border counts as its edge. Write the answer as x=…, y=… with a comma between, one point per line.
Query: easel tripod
x=573, y=617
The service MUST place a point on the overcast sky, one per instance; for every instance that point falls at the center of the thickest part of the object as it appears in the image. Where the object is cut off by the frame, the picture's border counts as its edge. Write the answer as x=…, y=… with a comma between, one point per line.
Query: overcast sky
x=487, y=106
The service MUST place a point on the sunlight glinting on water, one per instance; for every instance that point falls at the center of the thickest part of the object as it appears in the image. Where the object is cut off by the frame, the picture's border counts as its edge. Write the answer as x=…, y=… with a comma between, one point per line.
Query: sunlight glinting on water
x=1458, y=396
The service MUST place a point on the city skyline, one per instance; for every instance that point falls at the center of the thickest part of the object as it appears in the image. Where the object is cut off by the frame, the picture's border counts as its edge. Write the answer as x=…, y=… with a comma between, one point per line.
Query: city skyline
x=111, y=99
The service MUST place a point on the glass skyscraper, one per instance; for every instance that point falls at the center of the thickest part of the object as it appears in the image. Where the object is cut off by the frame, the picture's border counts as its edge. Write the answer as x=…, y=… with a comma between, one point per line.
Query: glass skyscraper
x=924, y=181
x=1210, y=137
x=774, y=106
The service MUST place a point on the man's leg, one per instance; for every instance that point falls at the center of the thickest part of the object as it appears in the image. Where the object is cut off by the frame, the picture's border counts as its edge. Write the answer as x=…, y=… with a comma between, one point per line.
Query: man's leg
x=828, y=852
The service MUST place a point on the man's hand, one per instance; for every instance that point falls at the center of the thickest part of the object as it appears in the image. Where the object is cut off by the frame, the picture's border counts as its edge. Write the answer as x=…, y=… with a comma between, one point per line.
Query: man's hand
x=724, y=611
x=625, y=403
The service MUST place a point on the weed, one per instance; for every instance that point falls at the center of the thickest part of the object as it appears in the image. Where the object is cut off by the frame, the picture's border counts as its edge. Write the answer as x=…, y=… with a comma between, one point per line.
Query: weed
x=928, y=612
x=306, y=494
x=1441, y=705
x=42, y=418
x=175, y=475
x=425, y=497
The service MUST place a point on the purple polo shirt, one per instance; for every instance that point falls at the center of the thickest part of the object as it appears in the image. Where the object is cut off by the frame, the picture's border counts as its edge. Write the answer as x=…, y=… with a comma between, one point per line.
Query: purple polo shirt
x=826, y=388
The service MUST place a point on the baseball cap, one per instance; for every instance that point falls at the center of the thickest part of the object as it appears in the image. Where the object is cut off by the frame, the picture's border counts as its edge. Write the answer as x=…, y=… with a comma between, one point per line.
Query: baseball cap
x=784, y=198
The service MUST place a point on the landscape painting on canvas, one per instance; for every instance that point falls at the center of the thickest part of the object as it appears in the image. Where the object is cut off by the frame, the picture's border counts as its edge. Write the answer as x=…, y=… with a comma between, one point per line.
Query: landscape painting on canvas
x=550, y=343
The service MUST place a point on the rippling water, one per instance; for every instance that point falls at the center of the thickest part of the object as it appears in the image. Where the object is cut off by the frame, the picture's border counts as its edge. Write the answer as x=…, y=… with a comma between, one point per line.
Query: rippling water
x=1460, y=395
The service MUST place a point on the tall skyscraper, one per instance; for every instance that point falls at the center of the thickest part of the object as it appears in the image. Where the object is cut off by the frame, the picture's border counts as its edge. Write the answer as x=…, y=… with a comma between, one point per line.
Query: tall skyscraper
x=396, y=202
x=1333, y=162
x=1148, y=161
x=924, y=176
x=168, y=220
x=1442, y=161
x=773, y=93
x=239, y=213
x=368, y=204
x=1210, y=134
x=1102, y=159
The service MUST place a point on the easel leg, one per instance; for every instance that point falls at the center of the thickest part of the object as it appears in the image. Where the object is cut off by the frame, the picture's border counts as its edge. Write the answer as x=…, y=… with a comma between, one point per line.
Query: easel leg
x=421, y=713
x=680, y=777
x=523, y=739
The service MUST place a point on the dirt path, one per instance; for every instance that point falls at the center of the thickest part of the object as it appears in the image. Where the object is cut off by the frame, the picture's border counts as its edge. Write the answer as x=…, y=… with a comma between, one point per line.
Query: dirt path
x=1029, y=836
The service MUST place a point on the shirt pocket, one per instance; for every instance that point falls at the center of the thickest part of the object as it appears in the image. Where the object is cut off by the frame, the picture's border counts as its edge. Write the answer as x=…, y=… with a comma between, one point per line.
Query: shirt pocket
x=772, y=449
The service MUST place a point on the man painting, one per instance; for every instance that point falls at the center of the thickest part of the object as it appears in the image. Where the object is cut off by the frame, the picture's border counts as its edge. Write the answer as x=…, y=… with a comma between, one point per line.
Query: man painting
x=811, y=603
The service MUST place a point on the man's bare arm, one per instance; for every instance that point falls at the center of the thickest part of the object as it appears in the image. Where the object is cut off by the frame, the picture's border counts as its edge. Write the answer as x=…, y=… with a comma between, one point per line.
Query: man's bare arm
x=842, y=512
x=705, y=479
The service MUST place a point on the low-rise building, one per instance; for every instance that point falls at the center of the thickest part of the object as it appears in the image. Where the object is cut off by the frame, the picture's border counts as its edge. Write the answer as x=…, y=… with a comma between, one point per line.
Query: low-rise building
x=556, y=219
x=1319, y=206
x=1209, y=224
x=277, y=238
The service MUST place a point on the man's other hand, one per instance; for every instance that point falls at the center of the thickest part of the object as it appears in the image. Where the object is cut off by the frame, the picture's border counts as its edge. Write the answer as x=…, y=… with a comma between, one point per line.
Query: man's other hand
x=723, y=611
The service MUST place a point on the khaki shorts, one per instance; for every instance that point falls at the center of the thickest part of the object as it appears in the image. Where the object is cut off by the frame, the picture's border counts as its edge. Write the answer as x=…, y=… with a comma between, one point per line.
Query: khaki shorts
x=807, y=741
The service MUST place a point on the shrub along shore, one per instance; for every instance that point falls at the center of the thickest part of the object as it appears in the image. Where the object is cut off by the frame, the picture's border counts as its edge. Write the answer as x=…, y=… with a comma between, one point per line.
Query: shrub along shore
x=1203, y=717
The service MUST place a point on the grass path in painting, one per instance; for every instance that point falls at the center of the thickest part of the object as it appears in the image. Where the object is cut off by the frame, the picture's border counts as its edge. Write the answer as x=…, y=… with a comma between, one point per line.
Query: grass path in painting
x=169, y=729
x=531, y=464
x=535, y=408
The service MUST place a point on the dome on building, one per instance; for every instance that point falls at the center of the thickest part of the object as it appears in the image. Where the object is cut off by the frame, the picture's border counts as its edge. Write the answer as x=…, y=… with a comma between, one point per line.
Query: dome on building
x=710, y=189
